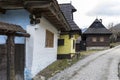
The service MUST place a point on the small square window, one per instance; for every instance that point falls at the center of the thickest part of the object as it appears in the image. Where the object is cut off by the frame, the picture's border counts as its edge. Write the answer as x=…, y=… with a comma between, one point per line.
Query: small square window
x=101, y=39
x=49, y=39
x=60, y=42
x=94, y=39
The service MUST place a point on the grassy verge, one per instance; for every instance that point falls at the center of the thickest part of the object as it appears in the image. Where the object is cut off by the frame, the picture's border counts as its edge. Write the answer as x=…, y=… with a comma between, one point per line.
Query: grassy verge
x=60, y=65
x=57, y=66
x=86, y=53
x=115, y=44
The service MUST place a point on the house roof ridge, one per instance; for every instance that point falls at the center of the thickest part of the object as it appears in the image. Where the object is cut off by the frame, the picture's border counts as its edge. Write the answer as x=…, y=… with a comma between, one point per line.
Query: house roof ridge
x=97, y=28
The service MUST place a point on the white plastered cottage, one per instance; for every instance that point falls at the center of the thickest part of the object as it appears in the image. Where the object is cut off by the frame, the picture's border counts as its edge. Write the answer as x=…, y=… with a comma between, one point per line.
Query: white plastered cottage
x=43, y=20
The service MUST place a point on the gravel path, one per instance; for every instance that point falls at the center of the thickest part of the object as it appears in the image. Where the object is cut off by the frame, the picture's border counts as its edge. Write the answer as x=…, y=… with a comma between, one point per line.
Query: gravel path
x=102, y=65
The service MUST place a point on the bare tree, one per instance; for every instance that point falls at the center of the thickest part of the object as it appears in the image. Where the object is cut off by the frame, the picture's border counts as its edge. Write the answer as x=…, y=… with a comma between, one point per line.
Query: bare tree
x=115, y=31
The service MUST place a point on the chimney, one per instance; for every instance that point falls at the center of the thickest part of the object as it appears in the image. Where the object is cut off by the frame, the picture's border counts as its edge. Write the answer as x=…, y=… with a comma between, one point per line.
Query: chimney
x=100, y=20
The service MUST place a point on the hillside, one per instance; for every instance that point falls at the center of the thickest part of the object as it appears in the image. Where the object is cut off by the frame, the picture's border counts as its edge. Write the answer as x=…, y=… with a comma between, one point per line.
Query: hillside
x=116, y=33
x=84, y=29
x=116, y=28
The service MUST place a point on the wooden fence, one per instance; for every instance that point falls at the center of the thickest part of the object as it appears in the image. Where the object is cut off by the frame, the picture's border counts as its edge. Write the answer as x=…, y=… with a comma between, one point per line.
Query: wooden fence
x=19, y=62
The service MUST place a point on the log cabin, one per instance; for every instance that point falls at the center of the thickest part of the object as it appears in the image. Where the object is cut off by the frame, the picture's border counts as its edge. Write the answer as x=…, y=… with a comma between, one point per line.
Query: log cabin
x=97, y=36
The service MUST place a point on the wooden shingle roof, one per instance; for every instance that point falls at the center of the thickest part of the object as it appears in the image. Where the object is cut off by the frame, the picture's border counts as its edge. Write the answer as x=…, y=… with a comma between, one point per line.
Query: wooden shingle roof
x=68, y=10
x=6, y=29
x=48, y=8
x=97, y=28
x=11, y=27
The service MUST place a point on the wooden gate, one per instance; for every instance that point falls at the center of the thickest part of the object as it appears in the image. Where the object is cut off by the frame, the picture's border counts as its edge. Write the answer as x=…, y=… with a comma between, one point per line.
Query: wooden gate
x=19, y=62
x=3, y=63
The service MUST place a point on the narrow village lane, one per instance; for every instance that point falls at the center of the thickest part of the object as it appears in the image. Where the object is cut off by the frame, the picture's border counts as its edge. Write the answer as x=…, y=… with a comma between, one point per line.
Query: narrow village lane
x=102, y=65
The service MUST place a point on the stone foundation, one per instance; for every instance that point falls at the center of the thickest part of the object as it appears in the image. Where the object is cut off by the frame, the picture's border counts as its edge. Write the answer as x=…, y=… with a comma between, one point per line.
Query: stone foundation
x=97, y=48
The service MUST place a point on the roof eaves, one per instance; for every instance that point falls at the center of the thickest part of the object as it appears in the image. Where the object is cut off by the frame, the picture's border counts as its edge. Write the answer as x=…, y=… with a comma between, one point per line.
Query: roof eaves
x=62, y=15
x=7, y=29
x=53, y=7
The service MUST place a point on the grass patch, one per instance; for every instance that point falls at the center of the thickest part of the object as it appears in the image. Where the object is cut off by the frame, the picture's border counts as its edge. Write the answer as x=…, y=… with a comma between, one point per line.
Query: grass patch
x=57, y=66
x=114, y=44
x=86, y=53
x=60, y=65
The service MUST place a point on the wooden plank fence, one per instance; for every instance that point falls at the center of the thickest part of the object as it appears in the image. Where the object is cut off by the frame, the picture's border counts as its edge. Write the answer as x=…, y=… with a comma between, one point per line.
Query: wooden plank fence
x=19, y=62
x=3, y=63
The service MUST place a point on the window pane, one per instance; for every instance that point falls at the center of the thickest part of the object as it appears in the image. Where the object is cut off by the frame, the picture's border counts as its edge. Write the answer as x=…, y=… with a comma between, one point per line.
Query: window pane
x=101, y=39
x=49, y=39
x=94, y=39
x=73, y=44
x=60, y=42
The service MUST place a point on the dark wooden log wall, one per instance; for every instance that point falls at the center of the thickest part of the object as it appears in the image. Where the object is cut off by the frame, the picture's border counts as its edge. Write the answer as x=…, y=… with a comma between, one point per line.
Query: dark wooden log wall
x=3, y=63
x=89, y=42
x=19, y=62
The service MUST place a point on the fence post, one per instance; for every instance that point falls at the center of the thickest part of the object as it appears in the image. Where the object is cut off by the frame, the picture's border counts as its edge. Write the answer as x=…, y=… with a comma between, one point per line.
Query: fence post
x=10, y=57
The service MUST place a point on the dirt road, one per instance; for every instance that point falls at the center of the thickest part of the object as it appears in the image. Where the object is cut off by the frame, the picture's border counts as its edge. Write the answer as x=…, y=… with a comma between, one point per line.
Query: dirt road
x=102, y=65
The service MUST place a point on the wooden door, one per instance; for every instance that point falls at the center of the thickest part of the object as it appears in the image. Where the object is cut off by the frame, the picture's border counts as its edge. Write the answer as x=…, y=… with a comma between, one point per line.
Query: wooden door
x=19, y=62
x=3, y=63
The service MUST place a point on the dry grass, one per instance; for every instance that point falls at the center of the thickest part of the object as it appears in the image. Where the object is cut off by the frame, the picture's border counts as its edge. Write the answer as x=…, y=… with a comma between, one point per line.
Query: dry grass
x=56, y=67
x=86, y=53
x=60, y=65
x=115, y=44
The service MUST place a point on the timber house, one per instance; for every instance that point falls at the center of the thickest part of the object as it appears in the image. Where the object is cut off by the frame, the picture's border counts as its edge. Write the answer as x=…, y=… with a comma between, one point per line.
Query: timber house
x=97, y=36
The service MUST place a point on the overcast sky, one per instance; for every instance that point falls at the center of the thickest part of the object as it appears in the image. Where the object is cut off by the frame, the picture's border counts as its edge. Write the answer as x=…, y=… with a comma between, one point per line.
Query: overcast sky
x=89, y=10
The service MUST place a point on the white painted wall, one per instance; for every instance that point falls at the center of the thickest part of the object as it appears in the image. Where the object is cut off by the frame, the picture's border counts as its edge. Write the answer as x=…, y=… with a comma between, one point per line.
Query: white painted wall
x=37, y=55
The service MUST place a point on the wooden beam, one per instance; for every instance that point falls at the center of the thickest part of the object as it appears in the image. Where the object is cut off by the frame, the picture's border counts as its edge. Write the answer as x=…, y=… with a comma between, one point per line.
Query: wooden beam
x=52, y=8
x=37, y=13
x=36, y=4
x=22, y=35
x=54, y=12
x=2, y=11
x=11, y=5
x=61, y=19
x=60, y=15
x=10, y=57
x=16, y=34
